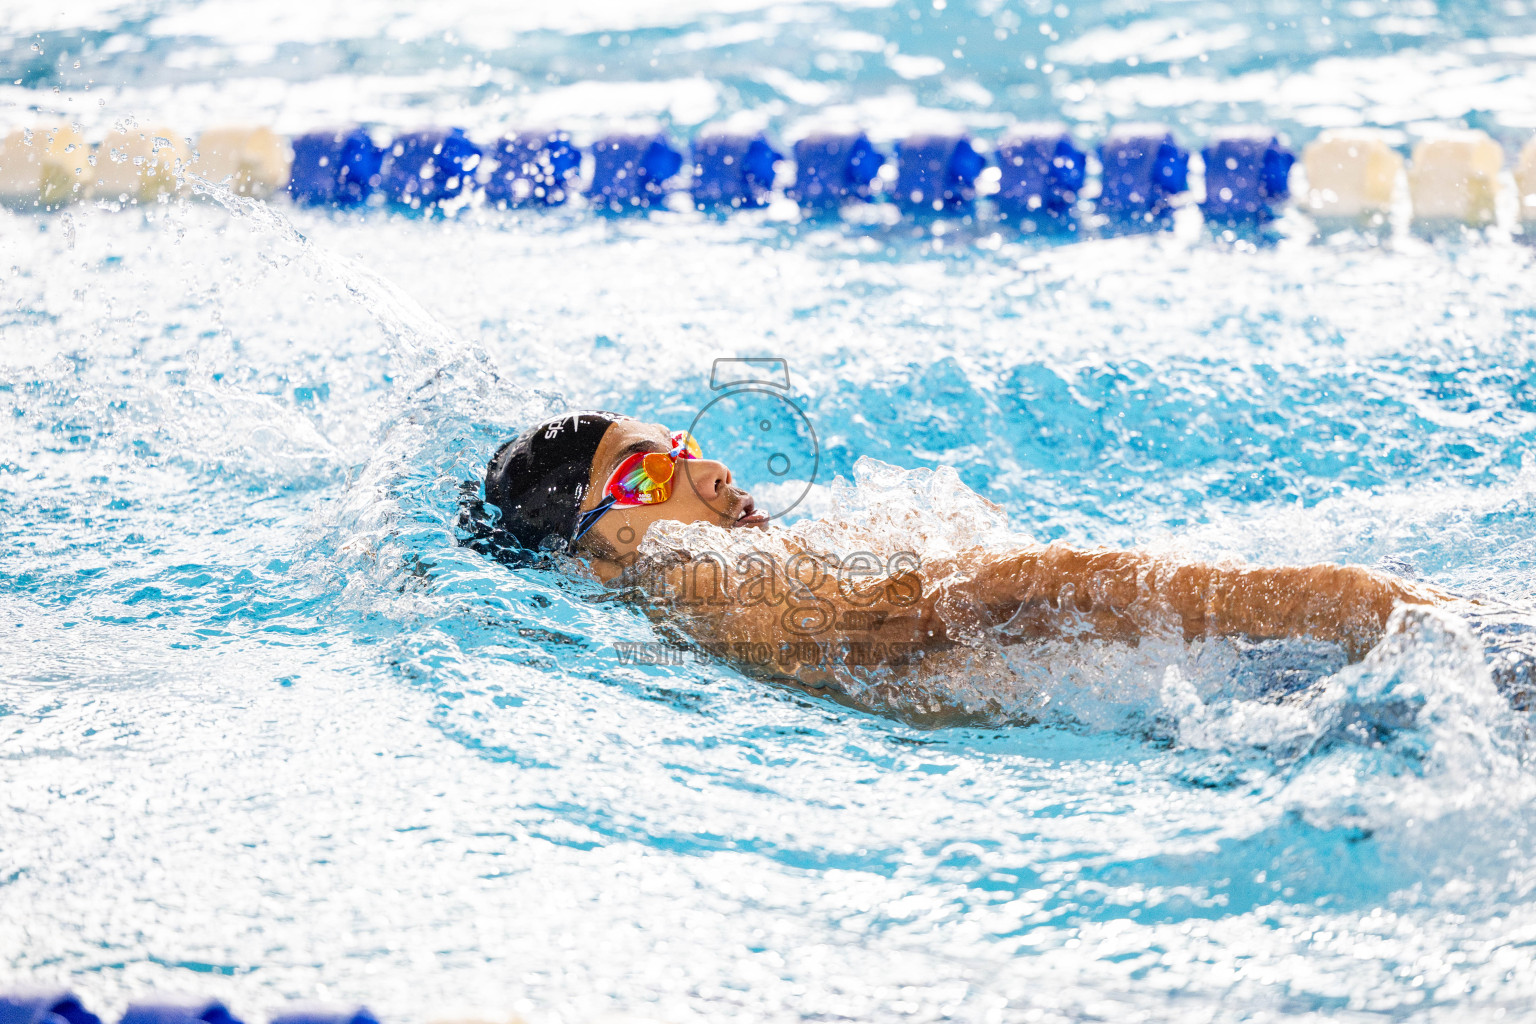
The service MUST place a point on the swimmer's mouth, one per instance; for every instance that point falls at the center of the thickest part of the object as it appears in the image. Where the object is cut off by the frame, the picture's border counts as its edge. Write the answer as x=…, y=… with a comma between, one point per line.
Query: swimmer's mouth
x=749, y=515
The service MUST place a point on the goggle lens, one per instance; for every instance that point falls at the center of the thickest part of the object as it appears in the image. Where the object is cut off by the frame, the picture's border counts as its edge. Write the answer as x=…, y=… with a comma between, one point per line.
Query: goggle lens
x=658, y=467
x=645, y=478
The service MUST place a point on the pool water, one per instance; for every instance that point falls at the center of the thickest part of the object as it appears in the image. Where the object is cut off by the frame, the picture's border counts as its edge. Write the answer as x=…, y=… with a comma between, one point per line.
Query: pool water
x=269, y=731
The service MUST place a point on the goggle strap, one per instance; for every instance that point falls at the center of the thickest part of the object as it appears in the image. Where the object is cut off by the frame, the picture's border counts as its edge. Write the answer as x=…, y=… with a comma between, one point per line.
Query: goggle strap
x=589, y=519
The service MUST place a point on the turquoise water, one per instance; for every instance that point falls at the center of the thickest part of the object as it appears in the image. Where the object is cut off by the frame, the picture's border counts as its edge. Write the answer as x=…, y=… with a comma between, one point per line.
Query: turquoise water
x=269, y=732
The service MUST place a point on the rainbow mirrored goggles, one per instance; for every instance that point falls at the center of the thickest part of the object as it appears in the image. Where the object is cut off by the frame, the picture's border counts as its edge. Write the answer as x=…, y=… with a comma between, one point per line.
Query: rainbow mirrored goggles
x=645, y=478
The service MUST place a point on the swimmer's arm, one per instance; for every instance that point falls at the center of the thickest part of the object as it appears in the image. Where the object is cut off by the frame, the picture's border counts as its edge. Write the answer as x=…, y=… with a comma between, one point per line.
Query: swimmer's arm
x=1123, y=593
x=758, y=602
x=1115, y=594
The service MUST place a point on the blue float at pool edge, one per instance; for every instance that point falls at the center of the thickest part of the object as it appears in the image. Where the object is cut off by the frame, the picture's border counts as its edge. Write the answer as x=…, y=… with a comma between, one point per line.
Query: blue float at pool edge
x=1246, y=177
x=62, y=1007
x=325, y=1015
x=338, y=167
x=831, y=168
x=203, y=1011
x=732, y=170
x=936, y=173
x=631, y=171
x=532, y=168
x=1040, y=174
x=1141, y=172
x=56, y=1006
x=423, y=168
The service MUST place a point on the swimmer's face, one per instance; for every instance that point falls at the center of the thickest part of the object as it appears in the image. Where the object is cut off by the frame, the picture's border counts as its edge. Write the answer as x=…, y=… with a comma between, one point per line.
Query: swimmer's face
x=702, y=491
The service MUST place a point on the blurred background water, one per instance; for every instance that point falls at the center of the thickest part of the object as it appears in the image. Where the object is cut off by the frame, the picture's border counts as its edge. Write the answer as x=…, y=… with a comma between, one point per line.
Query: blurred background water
x=269, y=732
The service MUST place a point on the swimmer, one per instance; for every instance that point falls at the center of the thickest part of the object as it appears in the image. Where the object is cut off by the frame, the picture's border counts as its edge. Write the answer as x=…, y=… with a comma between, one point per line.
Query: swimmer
x=592, y=484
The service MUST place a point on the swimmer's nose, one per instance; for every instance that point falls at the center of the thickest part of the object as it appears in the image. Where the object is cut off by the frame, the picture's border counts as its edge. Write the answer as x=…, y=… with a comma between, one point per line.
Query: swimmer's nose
x=708, y=477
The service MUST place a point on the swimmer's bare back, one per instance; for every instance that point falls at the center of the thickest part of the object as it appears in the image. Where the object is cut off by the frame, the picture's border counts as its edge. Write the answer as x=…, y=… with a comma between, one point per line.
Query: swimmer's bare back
x=1044, y=592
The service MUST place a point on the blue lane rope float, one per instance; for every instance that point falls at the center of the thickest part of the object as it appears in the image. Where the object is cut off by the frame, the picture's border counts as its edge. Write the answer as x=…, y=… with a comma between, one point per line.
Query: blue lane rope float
x=62, y=1007
x=1041, y=172
x=335, y=168
x=833, y=168
x=202, y=1011
x=311, y=1014
x=734, y=171
x=424, y=168
x=1246, y=178
x=44, y=1007
x=1040, y=184
x=531, y=169
x=1143, y=169
x=937, y=173
x=631, y=172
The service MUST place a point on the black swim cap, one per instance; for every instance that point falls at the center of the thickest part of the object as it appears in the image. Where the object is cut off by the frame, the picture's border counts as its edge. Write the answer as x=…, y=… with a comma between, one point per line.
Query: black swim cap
x=539, y=479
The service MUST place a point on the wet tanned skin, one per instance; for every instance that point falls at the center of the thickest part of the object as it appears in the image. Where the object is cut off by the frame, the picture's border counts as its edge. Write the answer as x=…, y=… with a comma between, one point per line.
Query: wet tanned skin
x=1120, y=595
x=1125, y=593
